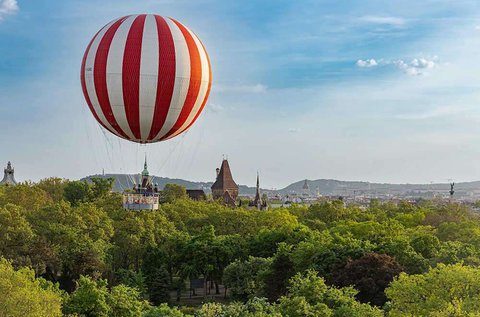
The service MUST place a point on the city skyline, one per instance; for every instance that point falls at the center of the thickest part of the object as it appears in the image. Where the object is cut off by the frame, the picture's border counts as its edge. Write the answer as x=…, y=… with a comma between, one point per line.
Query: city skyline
x=373, y=92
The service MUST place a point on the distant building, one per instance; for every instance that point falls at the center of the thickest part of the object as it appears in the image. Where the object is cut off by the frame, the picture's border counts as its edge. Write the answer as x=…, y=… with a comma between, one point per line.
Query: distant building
x=305, y=188
x=259, y=202
x=225, y=188
x=8, y=176
x=196, y=194
x=143, y=195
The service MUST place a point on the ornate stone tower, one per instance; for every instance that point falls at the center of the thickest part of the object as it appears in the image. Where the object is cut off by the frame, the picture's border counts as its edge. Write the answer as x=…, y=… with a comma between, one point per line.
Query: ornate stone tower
x=225, y=187
x=9, y=177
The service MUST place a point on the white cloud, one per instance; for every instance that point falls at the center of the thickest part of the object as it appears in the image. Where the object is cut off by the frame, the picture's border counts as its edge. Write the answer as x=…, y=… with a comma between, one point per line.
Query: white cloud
x=367, y=63
x=293, y=130
x=422, y=63
x=258, y=88
x=388, y=20
x=8, y=7
x=415, y=67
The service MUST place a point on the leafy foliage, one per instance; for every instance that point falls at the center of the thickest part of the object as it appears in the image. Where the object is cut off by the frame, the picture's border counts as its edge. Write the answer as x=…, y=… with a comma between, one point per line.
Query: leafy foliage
x=76, y=235
x=447, y=290
x=24, y=296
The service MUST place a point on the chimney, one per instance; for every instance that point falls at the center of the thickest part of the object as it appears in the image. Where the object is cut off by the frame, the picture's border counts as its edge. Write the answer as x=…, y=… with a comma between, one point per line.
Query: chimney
x=218, y=171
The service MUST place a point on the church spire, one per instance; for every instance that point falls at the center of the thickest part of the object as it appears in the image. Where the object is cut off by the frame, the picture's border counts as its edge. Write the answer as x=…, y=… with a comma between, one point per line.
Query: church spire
x=257, y=202
x=145, y=167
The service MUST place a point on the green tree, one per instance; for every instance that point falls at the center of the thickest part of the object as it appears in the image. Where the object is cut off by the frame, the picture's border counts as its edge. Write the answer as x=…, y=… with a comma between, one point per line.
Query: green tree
x=158, y=284
x=125, y=301
x=452, y=252
x=403, y=252
x=199, y=256
x=281, y=270
x=24, y=195
x=81, y=236
x=243, y=277
x=444, y=288
x=77, y=192
x=172, y=192
x=101, y=187
x=132, y=279
x=256, y=307
x=54, y=187
x=137, y=232
x=308, y=295
x=163, y=311
x=24, y=296
x=16, y=235
x=90, y=299
x=323, y=251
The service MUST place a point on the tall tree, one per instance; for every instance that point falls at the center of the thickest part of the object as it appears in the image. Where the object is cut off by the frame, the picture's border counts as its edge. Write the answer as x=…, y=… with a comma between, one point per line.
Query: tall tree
x=281, y=270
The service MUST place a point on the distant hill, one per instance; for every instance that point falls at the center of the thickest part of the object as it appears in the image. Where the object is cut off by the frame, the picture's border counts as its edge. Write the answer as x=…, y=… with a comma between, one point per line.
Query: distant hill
x=335, y=187
x=322, y=186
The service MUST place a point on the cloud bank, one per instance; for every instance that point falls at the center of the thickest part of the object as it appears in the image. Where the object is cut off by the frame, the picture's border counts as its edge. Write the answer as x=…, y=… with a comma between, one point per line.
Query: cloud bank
x=8, y=7
x=415, y=67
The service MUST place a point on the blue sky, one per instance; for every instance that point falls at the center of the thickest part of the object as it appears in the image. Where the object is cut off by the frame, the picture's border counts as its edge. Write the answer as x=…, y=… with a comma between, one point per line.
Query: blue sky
x=352, y=90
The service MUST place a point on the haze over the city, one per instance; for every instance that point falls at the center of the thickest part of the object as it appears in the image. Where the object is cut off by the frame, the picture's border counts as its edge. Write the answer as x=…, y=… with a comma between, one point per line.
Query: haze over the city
x=371, y=91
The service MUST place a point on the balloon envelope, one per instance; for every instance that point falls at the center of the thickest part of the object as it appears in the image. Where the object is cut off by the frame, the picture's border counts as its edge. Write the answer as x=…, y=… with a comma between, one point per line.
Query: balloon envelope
x=146, y=78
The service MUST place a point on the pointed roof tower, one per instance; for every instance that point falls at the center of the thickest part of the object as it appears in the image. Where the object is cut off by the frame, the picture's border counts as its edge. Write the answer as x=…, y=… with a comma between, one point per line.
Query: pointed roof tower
x=9, y=177
x=225, y=187
x=145, y=167
x=224, y=178
x=146, y=179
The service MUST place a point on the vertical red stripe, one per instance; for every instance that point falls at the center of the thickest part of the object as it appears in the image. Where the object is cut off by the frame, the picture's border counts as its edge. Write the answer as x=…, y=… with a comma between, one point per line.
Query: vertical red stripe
x=100, y=76
x=166, y=76
x=195, y=80
x=84, y=85
x=131, y=74
x=206, y=94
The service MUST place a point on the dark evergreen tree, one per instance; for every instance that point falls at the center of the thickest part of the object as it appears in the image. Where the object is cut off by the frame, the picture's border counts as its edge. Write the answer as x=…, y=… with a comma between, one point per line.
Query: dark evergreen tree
x=158, y=285
x=276, y=279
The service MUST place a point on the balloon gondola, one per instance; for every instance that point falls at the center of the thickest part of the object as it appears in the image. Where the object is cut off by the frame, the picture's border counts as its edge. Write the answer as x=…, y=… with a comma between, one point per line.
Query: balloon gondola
x=146, y=79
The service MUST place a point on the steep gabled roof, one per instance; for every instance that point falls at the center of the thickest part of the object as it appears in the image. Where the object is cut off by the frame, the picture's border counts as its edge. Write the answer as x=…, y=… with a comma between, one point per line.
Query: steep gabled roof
x=224, y=178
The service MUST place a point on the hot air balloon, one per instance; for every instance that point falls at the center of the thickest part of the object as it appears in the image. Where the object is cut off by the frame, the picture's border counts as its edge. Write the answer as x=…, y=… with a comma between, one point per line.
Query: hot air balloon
x=146, y=78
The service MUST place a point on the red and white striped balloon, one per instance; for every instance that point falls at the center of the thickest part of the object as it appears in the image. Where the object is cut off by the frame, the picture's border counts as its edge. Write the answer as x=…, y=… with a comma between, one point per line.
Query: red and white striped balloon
x=146, y=78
